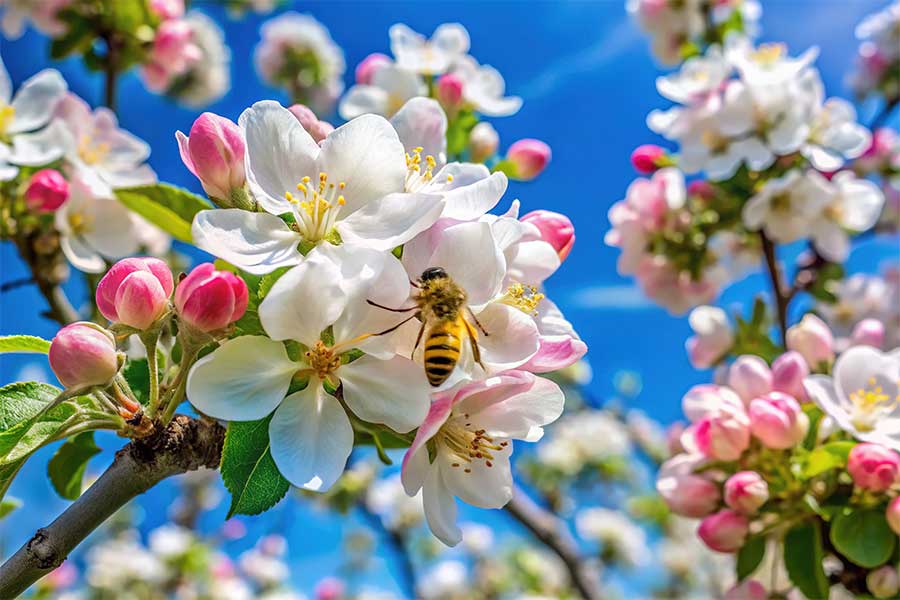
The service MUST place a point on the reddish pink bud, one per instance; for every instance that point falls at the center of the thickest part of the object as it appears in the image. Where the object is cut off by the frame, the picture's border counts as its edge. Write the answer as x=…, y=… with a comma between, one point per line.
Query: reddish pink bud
x=701, y=189
x=749, y=589
x=529, y=158
x=723, y=437
x=686, y=493
x=556, y=229
x=47, y=190
x=450, y=91
x=208, y=300
x=777, y=420
x=812, y=338
x=366, y=69
x=82, y=355
x=647, y=158
x=873, y=467
x=319, y=130
x=172, y=53
x=724, y=531
x=788, y=372
x=214, y=152
x=750, y=377
x=892, y=514
x=168, y=9
x=135, y=291
x=868, y=332
x=330, y=588
x=746, y=491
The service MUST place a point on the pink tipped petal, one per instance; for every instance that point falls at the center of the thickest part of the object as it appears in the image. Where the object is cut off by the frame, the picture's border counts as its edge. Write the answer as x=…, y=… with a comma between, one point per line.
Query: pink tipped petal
x=555, y=353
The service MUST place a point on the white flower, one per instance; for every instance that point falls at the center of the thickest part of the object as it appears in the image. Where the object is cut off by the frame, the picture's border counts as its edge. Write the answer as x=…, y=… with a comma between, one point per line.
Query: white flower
x=766, y=64
x=264, y=569
x=712, y=336
x=787, y=206
x=116, y=564
x=41, y=13
x=835, y=136
x=444, y=581
x=93, y=141
x=413, y=52
x=389, y=90
x=209, y=78
x=698, y=79
x=247, y=378
x=881, y=28
x=857, y=297
x=95, y=227
x=484, y=89
x=477, y=538
x=170, y=541
x=463, y=446
x=853, y=205
x=618, y=534
x=863, y=395
x=350, y=188
x=386, y=498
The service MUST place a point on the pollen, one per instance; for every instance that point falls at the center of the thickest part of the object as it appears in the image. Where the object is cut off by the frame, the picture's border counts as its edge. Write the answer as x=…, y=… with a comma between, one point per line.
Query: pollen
x=524, y=297
x=7, y=113
x=90, y=151
x=420, y=169
x=468, y=445
x=322, y=360
x=316, y=208
x=768, y=54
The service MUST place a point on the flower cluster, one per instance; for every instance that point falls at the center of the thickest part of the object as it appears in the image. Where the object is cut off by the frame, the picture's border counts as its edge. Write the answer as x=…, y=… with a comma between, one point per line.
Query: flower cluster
x=878, y=60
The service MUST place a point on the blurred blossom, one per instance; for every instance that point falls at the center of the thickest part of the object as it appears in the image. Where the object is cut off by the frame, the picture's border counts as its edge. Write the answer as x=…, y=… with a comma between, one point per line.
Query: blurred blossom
x=622, y=540
x=387, y=499
x=445, y=580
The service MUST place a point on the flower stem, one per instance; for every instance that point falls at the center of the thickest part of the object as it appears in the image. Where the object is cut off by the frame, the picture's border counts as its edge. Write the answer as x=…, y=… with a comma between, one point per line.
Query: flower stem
x=150, y=339
x=778, y=288
x=179, y=384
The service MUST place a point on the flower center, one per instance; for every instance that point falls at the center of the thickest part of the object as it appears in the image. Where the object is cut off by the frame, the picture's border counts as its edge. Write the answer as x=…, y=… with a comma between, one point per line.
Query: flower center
x=768, y=54
x=468, y=445
x=524, y=297
x=870, y=403
x=7, y=113
x=316, y=208
x=322, y=360
x=713, y=140
x=781, y=202
x=418, y=175
x=90, y=152
x=79, y=223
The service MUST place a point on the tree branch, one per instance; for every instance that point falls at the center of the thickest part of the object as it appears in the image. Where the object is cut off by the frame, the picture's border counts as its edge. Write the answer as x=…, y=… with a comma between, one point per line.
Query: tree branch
x=554, y=534
x=778, y=288
x=186, y=444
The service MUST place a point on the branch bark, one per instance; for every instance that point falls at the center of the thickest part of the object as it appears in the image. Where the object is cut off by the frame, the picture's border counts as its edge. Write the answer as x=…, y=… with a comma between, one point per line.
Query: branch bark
x=782, y=297
x=551, y=531
x=186, y=444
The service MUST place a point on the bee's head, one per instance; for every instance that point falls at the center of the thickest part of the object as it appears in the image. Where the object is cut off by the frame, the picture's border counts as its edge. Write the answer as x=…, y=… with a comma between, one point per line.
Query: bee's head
x=432, y=273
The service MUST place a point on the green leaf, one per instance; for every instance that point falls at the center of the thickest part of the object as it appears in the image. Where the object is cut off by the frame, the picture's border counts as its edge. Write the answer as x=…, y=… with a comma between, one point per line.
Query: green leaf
x=268, y=280
x=824, y=458
x=166, y=206
x=8, y=505
x=23, y=400
x=248, y=470
x=803, y=557
x=749, y=557
x=863, y=536
x=24, y=343
x=66, y=468
x=78, y=37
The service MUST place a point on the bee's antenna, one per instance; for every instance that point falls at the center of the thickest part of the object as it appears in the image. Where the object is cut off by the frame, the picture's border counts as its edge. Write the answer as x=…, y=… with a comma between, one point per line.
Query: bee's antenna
x=398, y=310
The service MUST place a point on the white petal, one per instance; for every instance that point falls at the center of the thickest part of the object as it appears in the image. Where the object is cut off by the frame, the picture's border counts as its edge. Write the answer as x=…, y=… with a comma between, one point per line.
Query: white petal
x=363, y=99
x=831, y=241
x=242, y=380
x=83, y=257
x=512, y=337
x=481, y=486
x=531, y=262
x=35, y=100
x=279, y=154
x=469, y=254
x=367, y=155
x=258, y=243
x=5, y=84
x=394, y=392
x=472, y=192
x=310, y=438
x=112, y=231
x=422, y=123
x=521, y=414
x=387, y=222
x=304, y=301
x=39, y=148
x=440, y=509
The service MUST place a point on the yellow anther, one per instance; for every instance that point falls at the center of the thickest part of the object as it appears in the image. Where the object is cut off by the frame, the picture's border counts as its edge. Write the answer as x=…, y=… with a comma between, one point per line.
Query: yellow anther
x=449, y=178
x=302, y=188
x=418, y=149
x=289, y=196
x=342, y=185
x=6, y=116
x=305, y=179
x=524, y=297
x=341, y=201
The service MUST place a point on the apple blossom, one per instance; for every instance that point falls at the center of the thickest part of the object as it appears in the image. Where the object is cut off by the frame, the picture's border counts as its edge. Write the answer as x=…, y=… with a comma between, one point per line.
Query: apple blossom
x=868, y=332
x=172, y=53
x=434, y=56
x=685, y=492
x=812, y=338
x=873, y=466
x=214, y=153
x=723, y=437
x=712, y=338
x=892, y=514
x=135, y=291
x=365, y=70
x=483, y=142
x=168, y=9
x=647, y=158
x=788, y=372
x=556, y=229
x=786, y=207
x=750, y=377
x=43, y=15
x=850, y=204
x=835, y=136
x=208, y=300
x=746, y=491
x=528, y=158
x=471, y=429
x=248, y=377
x=83, y=355
x=47, y=190
x=725, y=531
x=484, y=89
x=389, y=88
x=777, y=420
x=208, y=78
x=862, y=395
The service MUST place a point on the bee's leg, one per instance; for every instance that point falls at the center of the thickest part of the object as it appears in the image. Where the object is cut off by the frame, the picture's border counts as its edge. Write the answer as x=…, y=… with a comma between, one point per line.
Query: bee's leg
x=415, y=284
x=418, y=337
x=398, y=310
x=395, y=327
x=474, y=318
x=473, y=342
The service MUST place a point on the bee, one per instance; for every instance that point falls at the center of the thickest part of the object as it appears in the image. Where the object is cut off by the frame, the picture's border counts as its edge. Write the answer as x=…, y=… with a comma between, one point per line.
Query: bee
x=441, y=305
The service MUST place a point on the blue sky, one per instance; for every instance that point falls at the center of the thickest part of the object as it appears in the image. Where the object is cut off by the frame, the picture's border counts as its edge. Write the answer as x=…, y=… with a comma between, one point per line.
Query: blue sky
x=587, y=78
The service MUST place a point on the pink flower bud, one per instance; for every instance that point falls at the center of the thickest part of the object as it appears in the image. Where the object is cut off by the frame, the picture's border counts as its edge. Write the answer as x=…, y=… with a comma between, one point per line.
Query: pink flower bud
x=647, y=158
x=868, y=332
x=873, y=467
x=722, y=437
x=686, y=493
x=713, y=336
x=749, y=589
x=483, y=142
x=726, y=531
x=330, y=588
x=788, y=372
x=47, y=190
x=319, y=130
x=207, y=300
x=173, y=45
x=701, y=189
x=366, y=69
x=556, y=229
x=883, y=582
x=777, y=420
x=135, y=291
x=812, y=338
x=892, y=514
x=168, y=9
x=83, y=354
x=750, y=377
x=214, y=152
x=746, y=491
x=450, y=91
x=529, y=158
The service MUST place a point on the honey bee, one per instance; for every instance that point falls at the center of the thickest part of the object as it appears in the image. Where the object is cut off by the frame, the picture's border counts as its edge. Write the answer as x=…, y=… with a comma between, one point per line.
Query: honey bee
x=441, y=305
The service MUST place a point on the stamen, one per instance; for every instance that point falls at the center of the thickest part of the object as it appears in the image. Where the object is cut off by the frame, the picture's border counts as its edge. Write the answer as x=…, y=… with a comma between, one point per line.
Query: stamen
x=318, y=209
x=323, y=361
x=7, y=113
x=416, y=176
x=524, y=297
x=467, y=445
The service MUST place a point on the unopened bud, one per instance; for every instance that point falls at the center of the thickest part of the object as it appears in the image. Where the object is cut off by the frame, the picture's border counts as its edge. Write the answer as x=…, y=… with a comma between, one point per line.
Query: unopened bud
x=208, y=300
x=82, y=355
x=483, y=142
x=214, y=152
x=47, y=190
x=648, y=158
x=528, y=158
x=135, y=291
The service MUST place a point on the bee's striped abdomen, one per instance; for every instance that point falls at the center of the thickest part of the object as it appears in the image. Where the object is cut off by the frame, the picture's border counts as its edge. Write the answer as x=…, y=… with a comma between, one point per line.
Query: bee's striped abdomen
x=441, y=352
